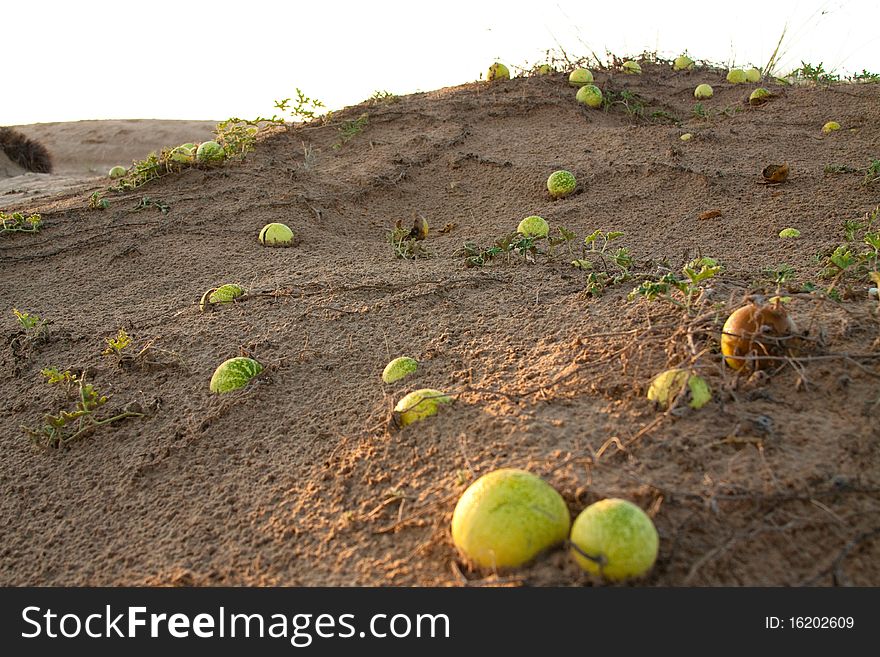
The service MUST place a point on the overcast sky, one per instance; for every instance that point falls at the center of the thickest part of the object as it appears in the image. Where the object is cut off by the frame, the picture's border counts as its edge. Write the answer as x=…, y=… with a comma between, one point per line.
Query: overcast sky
x=194, y=59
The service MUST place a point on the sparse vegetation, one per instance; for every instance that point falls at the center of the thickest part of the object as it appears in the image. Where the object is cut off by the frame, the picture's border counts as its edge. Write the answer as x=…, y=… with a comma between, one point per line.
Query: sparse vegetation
x=302, y=108
x=18, y=222
x=815, y=74
x=685, y=293
x=856, y=259
x=146, y=202
x=98, y=202
x=615, y=266
x=383, y=98
x=350, y=129
x=65, y=426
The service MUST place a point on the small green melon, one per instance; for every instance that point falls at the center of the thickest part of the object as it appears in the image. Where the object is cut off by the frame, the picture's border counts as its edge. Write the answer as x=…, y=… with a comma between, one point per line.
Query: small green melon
x=234, y=373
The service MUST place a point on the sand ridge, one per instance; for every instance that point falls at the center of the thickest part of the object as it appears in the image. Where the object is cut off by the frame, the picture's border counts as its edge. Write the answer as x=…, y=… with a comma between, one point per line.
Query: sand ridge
x=298, y=480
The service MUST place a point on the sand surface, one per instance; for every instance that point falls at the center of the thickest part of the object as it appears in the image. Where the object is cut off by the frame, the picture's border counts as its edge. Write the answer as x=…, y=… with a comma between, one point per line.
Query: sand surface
x=299, y=480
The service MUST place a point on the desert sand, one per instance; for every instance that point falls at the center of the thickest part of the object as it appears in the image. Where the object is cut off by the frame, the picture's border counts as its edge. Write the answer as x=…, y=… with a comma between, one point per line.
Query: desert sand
x=300, y=478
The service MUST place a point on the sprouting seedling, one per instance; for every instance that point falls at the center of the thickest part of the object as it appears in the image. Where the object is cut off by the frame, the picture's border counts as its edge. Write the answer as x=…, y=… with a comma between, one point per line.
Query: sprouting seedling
x=816, y=74
x=351, y=128
x=17, y=222
x=98, y=202
x=872, y=173
x=116, y=345
x=681, y=292
x=28, y=321
x=383, y=97
x=65, y=426
x=700, y=111
x=779, y=275
x=147, y=202
x=565, y=237
x=615, y=265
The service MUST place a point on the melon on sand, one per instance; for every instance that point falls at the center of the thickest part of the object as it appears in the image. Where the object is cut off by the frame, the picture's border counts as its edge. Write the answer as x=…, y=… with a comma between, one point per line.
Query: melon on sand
x=224, y=294
x=234, y=373
x=498, y=71
x=667, y=386
x=757, y=336
x=703, y=92
x=615, y=539
x=579, y=77
x=276, y=234
x=561, y=184
x=210, y=152
x=508, y=517
x=398, y=368
x=589, y=95
x=533, y=226
x=682, y=63
x=418, y=405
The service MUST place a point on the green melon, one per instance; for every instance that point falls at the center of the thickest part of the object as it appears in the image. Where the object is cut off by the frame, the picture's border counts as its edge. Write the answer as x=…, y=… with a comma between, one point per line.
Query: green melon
x=210, y=152
x=223, y=294
x=276, y=234
x=419, y=405
x=498, y=71
x=533, y=226
x=666, y=386
x=614, y=538
x=508, y=517
x=399, y=368
x=561, y=184
x=234, y=373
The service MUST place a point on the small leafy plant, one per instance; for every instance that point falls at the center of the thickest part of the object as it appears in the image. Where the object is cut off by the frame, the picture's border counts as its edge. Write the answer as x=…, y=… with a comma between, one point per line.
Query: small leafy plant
x=684, y=293
x=30, y=322
x=98, y=202
x=117, y=345
x=872, y=173
x=65, y=426
x=302, y=108
x=815, y=74
x=17, y=222
x=350, y=129
x=859, y=256
x=383, y=98
x=147, y=202
x=596, y=252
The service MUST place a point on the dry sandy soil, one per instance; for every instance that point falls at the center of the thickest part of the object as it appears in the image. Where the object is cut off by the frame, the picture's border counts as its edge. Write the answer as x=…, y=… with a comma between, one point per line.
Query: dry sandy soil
x=298, y=479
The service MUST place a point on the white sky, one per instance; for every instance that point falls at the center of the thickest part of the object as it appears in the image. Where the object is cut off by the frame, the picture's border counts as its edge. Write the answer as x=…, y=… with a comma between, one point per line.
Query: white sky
x=195, y=59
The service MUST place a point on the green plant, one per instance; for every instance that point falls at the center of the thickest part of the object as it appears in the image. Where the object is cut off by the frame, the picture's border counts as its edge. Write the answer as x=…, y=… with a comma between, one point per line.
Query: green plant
x=405, y=245
x=816, y=74
x=595, y=252
x=684, y=292
x=631, y=103
x=847, y=260
x=116, y=345
x=238, y=137
x=143, y=171
x=351, y=128
x=66, y=426
x=28, y=321
x=383, y=98
x=147, y=202
x=98, y=202
x=17, y=222
x=872, y=173
x=700, y=111
x=303, y=108
x=840, y=168
x=865, y=77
